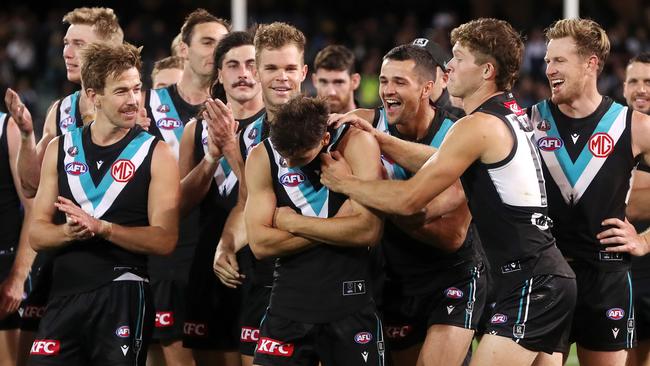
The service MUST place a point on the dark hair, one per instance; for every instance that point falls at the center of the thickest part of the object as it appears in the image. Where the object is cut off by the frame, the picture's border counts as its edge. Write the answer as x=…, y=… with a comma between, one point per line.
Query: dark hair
x=228, y=42
x=199, y=16
x=643, y=57
x=101, y=60
x=493, y=39
x=300, y=125
x=335, y=58
x=424, y=63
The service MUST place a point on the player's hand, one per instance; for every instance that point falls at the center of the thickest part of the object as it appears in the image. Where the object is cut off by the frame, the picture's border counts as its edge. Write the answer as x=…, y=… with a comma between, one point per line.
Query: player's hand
x=19, y=112
x=142, y=119
x=334, y=171
x=222, y=123
x=11, y=294
x=226, y=268
x=282, y=217
x=79, y=224
x=623, y=236
x=213, y=149
x=336, y=120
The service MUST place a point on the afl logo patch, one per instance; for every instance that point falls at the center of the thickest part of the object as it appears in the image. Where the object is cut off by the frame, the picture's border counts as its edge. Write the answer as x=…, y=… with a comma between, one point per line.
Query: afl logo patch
x=292, y=179
x=123, y=331
x=601, y=145
x=363, y=337
x=163, y=108
x=76, y=168
x=549, y=143
x=168, y=123
x=499, y=319
x=615, y=313
x=122, y=170
x=453, y=293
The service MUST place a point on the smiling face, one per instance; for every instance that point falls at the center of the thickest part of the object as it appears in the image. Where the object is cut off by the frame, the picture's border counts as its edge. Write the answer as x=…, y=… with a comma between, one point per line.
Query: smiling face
x=636, y=88
x=566, y=70
x=76, y=37
x=280, y=73
x=400, y=90
x=120, y=99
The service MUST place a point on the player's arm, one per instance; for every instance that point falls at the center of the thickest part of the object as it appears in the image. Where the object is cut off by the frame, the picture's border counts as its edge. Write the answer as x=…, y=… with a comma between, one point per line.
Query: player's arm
x=265, y=240
x=465, y=143
x=638, y=206
x=361, y=227
x=12, y=288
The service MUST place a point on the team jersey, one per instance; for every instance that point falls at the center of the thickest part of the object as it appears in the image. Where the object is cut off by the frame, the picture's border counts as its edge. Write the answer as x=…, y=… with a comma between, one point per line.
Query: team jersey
x=325, y=282
x=508, y=202
x=68, y=114
x=414, y=264
x=110, y=183
x=10, y=207
x=588, y=164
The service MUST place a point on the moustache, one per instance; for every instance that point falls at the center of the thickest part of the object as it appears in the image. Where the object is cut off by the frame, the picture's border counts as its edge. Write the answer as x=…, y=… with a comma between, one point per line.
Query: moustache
x=249, y=84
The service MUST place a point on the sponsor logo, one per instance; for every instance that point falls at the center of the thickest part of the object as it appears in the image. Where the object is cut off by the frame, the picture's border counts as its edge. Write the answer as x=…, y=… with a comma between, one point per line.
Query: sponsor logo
x=518, y=330
x=449, y=309
x=99, y=164
x=249, y=334
x=292, y=179
x=615, y=332
x=124, y=349
x=354, y=287
x=363, y=337
x=601, y=145
x=168, y=123
x=610, y=257
x=453, y=293
x=615, y=313
x=549, y=143
x=122, y=170
x=542, y=222
x=76, y=168
x=195, y=329
x=543, y=125
x=123, y=331
x=272, y=347
x=73, y=151
x=164, y=319
x=511, y=267
x=66, y=122
x=397, y=332
x=575, y=137
x=364, y=354
x=252, y=134
x=163, y=108
x=45, y=347
x=421, y=42
x=34, y=311
x=499, y=318
x=514, y=107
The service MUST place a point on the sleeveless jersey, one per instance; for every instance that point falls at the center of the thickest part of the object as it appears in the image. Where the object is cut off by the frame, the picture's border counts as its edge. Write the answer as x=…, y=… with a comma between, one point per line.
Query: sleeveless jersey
x=68, y=114
x=11, y=216
x=323, y=283
x=588, y=164
x=413, y=264
x=109, y=183
x=641, y=265
x=508, y=203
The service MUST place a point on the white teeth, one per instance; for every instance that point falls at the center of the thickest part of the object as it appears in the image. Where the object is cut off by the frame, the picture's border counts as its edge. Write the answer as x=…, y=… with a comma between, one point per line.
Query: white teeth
x=556, y=82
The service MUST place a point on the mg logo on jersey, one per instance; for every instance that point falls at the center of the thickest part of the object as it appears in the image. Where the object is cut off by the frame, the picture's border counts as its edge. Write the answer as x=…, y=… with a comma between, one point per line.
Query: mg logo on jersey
x=45, y=347
x=76, y=168
x=499, y=318
x=615, y=313
x=397, y=332
x=122, y=170
x=249, y=334
x=123, y=331
x=292, y=179
x=66, y=122
x=34, y=311
x=195, y=329
x=549, y=143
x=272, y=347
x=164, y=319
x=453, y=293
x=363, y=337
x=168, y=123
x=601, y=145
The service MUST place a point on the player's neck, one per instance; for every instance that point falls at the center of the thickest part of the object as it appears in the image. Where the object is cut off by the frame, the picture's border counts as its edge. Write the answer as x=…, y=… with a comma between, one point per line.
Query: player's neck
x=417, y=127
x=193, y=88
x=350, y=107
x=104, y=133
x=584, y=105
x=86, y=109
x=247, y=109
x=484, y=92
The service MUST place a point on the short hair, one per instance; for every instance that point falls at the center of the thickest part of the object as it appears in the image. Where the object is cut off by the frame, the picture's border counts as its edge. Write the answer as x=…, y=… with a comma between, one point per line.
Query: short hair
x=589, y=36
x=199, y=16
x=300, y=125
x=228, y=42
x=175, y=46
x=335, y=58
x=424, y=62
x=277, y=35
x=171, y=62
x=101, y=60
x=102, y=20
x=643, y=57
x=494, y=39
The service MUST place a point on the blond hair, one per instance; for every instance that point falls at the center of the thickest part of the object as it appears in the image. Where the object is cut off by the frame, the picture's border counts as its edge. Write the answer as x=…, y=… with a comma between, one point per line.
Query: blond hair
x=102, y=20
x=277, y=35
x=171, y=62
x=590, y=38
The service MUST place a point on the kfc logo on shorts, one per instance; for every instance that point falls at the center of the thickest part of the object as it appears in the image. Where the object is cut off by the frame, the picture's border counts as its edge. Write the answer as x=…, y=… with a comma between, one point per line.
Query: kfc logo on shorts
x=123, y=331
x=122, y=170
x=601, y=145
x=275, y=348
x=453, y=293
x=615, y=313
x=195, y=329
x=363, y=337
x=292, y=179
x=66, y=122
x=76, y=168
x=45, y=347
x=249, y=334
x=499, y=318
x=397, y=332
x=168, y=123
x=33, y=312
x=164, y=319
x=549, y=143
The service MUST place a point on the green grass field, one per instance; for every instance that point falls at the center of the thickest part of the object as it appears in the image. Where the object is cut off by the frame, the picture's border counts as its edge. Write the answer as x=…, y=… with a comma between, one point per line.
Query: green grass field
x=573, y=357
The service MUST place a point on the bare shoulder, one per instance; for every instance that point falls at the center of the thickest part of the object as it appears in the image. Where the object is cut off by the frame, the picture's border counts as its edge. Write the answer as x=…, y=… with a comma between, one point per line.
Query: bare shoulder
x=365, y=113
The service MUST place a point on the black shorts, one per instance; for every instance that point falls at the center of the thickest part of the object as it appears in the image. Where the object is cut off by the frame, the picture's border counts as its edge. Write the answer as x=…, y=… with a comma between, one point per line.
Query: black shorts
x=108, y=326
x=537, y=314
x=169, y=303
x=354, y=340
x=455, y=301
x=255, y=301
x=641, y=290
x=604, y=318
x=33, y=308
x=212, y=314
